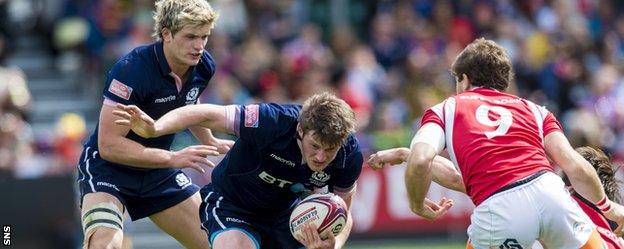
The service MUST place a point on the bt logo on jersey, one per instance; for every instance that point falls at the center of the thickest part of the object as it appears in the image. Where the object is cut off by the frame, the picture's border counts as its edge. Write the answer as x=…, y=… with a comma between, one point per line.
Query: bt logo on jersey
x=273, y=180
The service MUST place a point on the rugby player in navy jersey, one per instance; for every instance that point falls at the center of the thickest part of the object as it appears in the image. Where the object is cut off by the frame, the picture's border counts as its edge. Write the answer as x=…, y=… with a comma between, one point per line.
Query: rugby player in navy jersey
x=120, y=170
x=282, y=153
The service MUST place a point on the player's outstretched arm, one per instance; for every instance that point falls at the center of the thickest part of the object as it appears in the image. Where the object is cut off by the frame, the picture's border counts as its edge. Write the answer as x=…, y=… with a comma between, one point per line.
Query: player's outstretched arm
x=389, y=157
x=205, y=136
x=442, y=169
x=582, y=176
x=115, y=147
x=206, y=115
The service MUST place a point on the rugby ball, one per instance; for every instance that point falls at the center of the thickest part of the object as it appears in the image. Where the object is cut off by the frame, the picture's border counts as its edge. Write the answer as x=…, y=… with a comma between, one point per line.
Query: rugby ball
x=327, y=211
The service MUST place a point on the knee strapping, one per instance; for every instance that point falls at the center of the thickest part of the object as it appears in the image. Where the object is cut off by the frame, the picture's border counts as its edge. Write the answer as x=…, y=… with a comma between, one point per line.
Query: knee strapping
x=104, y=214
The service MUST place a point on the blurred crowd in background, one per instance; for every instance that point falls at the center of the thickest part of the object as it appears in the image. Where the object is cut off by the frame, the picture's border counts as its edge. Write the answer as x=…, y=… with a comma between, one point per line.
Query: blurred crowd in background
x=388, y=59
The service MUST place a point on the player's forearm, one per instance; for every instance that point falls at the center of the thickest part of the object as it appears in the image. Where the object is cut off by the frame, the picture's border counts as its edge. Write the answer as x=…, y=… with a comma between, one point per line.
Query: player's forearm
x=205, y=115
x=445, y=174
x=341, y=239
x=401, y=154
x=585, y=180
x=179, y=119
x=417, y=182
x=582, y=175
x=124, y=151
x=418, y=174
x=204, y=135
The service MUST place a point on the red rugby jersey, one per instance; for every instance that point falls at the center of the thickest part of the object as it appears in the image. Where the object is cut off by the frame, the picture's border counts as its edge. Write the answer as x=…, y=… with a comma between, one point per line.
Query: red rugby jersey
x=494, y=138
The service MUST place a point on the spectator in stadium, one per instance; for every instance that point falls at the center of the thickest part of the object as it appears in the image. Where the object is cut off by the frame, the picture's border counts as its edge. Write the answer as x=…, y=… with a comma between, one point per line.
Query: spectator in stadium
x=15, y=101
x=500, y=143
x=283, y=152
x=119, y=170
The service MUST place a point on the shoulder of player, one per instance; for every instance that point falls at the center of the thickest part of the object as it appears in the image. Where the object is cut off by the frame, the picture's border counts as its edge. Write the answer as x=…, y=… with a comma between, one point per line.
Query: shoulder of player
x=351, y=146
x=289, y=112
x=349, y=157
x=132, y=69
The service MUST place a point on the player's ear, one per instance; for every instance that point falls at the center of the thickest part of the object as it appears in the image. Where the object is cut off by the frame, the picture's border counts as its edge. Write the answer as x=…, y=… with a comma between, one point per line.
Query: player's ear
x=166, y=34
x=465, y=82
x=299, y=132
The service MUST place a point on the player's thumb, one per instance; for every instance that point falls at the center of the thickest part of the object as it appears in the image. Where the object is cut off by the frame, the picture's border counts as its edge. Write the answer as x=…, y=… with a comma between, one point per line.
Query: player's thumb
x=330, y=237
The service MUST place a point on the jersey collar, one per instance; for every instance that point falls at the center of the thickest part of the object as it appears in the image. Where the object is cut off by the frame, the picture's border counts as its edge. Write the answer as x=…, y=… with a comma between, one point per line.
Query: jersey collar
x=159, y=52
x=480, y=88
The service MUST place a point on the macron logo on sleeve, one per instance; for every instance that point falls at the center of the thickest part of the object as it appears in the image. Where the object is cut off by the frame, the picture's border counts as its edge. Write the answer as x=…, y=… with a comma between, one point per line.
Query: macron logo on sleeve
x=251, y=116
x=120, y=89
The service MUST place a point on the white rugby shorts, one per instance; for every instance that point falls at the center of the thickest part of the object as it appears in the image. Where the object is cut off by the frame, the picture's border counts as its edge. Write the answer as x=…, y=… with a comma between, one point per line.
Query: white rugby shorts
x=540, y=209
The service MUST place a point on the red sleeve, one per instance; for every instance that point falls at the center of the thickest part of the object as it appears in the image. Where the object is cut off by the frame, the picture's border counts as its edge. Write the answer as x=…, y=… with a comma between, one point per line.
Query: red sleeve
x=551, y=124
x=431, y=116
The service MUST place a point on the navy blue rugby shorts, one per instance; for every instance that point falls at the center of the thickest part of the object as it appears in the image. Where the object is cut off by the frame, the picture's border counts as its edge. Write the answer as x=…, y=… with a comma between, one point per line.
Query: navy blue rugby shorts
x=142, y=192
x=218, y=215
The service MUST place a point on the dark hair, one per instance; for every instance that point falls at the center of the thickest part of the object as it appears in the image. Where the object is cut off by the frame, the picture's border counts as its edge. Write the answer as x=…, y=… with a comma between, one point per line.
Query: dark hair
x=604, y=169
x=485, y=63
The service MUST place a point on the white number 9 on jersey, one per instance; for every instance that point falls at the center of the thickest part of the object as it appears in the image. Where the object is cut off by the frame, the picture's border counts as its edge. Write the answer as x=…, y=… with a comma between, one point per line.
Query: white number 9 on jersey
x=502, y=123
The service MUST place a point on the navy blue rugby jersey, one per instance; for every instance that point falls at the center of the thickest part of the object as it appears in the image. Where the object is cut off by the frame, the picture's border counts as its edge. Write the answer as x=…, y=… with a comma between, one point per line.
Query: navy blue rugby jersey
x=264, y=174
x=143, y=78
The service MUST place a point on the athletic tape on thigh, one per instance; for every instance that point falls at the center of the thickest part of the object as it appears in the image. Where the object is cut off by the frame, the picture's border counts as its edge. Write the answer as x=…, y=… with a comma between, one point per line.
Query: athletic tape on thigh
x=102, y=214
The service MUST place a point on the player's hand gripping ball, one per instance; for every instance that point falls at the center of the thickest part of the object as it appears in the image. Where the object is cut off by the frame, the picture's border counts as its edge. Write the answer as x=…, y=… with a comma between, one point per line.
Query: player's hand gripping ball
x=327, y=211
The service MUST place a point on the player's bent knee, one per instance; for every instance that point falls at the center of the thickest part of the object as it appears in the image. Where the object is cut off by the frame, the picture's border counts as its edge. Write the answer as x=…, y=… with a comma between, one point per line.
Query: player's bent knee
x=102, y=225
x=104, y=238
x=234, y=238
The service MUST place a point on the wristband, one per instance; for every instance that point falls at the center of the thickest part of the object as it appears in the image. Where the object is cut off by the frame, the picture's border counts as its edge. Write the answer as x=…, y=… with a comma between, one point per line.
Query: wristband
x=604, y=205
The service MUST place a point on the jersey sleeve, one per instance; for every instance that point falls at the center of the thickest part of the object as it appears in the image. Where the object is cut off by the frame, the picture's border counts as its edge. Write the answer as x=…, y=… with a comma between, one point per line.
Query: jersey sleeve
x=348, y=175
x=123, y=83
x=434, y=115
x=262, y=123
x=548, y=121
x=431, y=134
x=551, y=124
